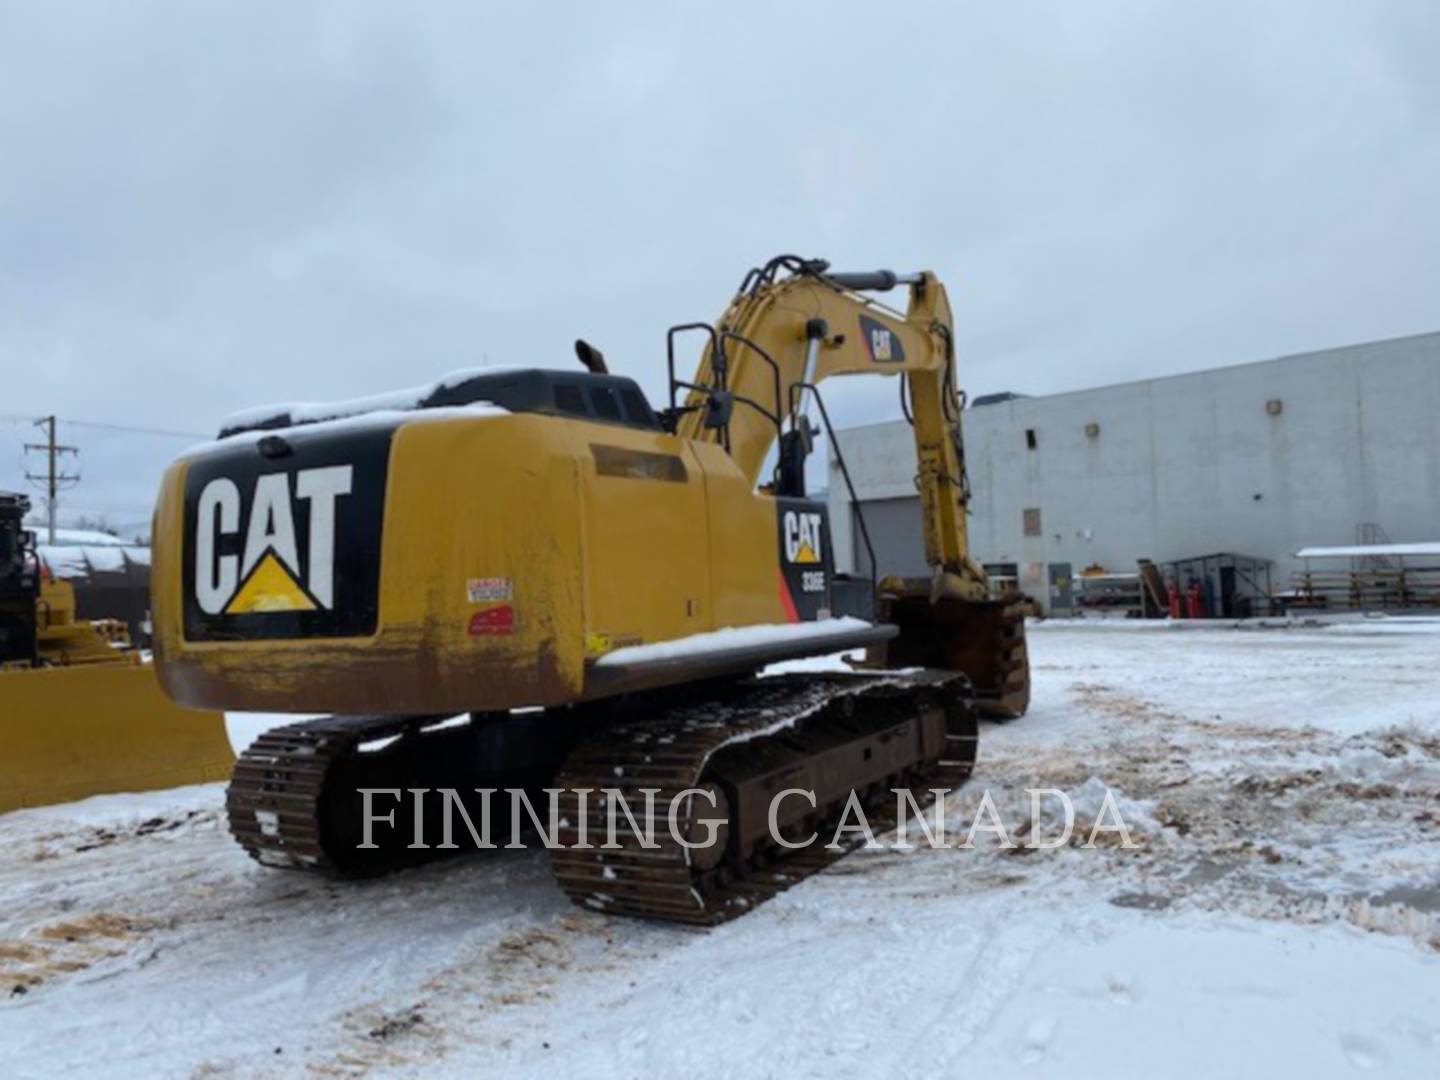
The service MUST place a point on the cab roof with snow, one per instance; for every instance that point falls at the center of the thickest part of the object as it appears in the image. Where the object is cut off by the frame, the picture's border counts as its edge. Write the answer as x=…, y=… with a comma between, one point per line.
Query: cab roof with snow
x=612, y=399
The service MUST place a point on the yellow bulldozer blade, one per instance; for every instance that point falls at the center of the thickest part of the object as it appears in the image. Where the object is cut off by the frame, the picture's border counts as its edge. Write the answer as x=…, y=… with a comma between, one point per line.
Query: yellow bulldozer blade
x=91, y=729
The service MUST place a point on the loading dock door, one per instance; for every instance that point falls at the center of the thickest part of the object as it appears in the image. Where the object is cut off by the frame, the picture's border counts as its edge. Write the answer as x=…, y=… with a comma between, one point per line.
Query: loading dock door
x=1061, y=592
x=895, y=531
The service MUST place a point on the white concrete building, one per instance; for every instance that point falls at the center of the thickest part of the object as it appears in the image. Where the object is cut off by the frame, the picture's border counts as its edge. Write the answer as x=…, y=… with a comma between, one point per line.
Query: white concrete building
x=1259, y=459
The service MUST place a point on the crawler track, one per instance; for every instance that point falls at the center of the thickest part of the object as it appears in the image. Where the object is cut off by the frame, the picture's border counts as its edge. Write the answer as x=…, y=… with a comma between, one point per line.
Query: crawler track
x=293, y=802
x=773, y=728
x=278, y=796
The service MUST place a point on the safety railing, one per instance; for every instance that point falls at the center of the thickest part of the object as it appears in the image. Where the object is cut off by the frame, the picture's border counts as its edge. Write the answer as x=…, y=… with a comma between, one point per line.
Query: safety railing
x=799, y=388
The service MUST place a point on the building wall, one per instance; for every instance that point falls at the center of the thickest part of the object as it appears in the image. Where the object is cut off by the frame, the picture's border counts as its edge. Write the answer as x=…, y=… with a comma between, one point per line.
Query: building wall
x=1186, y=465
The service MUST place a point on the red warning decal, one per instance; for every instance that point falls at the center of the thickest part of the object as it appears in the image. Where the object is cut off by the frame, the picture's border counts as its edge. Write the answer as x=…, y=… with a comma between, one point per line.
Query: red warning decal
x=786, y=601
x=495, y=621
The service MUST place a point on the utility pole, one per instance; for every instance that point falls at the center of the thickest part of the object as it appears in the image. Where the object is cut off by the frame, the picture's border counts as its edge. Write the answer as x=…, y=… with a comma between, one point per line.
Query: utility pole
x=53, y=480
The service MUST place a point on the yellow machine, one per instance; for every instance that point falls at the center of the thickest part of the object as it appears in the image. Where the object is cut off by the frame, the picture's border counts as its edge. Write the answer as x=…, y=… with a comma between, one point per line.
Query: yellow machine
x=543, y=551
x=80, y=714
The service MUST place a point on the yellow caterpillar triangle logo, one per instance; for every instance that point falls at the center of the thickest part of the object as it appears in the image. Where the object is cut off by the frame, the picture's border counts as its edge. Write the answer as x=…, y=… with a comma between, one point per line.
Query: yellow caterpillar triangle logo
x=806, y=554
x=270, y=588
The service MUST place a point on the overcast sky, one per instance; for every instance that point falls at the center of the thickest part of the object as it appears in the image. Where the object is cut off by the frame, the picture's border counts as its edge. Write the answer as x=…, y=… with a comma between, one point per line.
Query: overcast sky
x=208, y=206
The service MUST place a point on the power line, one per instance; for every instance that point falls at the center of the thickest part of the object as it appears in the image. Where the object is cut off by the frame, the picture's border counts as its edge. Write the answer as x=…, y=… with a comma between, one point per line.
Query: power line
x=140, y=430
x=53, y=479
x=88, y=507
x=114, y=427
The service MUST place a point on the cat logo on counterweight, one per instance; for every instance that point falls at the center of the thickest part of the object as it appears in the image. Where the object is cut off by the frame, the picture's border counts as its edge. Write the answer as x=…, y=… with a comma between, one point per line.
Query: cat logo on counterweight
x=268, y=572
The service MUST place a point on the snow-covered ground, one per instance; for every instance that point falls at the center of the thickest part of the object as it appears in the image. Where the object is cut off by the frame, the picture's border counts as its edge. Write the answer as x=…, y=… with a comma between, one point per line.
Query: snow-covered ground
x=1281, y=916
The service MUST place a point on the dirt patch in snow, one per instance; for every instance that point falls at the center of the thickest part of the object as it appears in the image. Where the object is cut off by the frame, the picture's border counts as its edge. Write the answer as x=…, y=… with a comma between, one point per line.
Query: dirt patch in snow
x=525, y=967
x=99, y=838
x=1291, y=823
x=66, y=947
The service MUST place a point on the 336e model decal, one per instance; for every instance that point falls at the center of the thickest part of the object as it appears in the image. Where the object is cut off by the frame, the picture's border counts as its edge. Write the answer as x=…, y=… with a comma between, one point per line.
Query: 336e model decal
x=805, y=560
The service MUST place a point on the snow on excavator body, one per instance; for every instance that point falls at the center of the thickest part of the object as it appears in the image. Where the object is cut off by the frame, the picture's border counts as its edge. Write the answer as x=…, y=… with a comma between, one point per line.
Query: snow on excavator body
x=80, y=714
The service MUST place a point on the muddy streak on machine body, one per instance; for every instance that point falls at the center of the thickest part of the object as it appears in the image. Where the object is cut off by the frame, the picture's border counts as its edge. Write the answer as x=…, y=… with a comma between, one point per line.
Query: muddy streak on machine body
x=482, y=550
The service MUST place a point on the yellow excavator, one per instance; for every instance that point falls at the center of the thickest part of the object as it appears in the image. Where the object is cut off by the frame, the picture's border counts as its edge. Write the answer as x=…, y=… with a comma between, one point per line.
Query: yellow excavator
x=527, y=578
x=80, y=712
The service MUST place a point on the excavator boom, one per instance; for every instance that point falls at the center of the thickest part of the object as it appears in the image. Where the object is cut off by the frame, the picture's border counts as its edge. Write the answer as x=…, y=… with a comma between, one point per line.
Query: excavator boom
x=782, y=336
x=794, y=331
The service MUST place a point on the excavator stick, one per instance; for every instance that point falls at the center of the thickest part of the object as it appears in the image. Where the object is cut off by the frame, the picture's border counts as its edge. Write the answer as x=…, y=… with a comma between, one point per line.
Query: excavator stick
x=69, y=732
x=984, y=639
